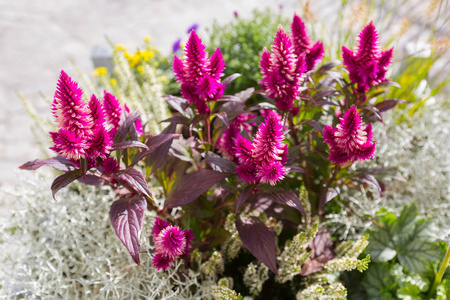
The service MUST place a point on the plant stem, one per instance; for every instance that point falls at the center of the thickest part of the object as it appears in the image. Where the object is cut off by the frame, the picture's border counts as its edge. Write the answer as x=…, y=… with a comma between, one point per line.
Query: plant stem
x=441, y=272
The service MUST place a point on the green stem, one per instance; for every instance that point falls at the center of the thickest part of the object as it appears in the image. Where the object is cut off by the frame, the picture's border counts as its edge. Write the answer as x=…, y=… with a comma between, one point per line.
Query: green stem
x=441, y=272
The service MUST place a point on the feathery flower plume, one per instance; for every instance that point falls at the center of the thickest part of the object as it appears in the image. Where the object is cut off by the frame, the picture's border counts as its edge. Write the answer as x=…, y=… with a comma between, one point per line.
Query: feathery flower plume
x=367, y=65
x=199, y=75
x=282, y=71
x=74, y=119
x=303, y=46
x=350, y=140
x=113, y=111
x=110, y=165
x=171, y=243
x=263, y=161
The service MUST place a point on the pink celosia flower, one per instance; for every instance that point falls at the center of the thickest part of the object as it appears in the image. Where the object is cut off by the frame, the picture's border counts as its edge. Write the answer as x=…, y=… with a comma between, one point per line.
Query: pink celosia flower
x=162, y=262
x=199, y=75
x=113, y=111
x=110, y=165
x=282, y=71
x=226, y=141
x=171, y=243
x=68, y=144
x=99, y=144
x=263, y=161
x=302, y=44
x=367, y=66
x=350, y=140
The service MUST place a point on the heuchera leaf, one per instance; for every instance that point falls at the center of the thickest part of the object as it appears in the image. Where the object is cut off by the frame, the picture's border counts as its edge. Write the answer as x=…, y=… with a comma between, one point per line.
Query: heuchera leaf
x=259, y=240
x=135, y=178
x=192, y=185
x=128, y=144
x=379, y=282
x=58, y=163
x=127, y=218
x=63, y=180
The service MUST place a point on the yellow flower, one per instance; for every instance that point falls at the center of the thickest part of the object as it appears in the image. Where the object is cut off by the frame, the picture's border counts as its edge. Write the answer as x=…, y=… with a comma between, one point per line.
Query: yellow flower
x=147, y=55
x=100, y=71
x=140, y=69
x=146, y=38
x=164, y=79
x=134, y=60
x=120, y=47
x=113, y=81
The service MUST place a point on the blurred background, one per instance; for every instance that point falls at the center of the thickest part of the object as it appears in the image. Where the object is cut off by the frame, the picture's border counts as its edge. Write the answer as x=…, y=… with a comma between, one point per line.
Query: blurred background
x=40, y=38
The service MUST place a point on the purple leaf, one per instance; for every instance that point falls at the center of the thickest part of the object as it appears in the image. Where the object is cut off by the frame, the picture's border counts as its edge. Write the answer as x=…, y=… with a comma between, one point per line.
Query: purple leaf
x=328, y=66
x=324, y=94
x=370, y=180
x=322, y=250
x=152, y=144
x=230, y=78
x=294, y=169
x=92, y=180
x=126, y=127
x=229, y=98
x=243, y=196
x=127, y=217
x=179, y=104
x=59, y=163
x=223, y=163
x=136, y=180
x=259, y=240
x=284, y=197
x=245, y=94
x=177, y=120
x=314, y=124
x=192, y=185
x=326, y=195
x=388, y=104
x=223, y=117
x=159, y=151
x=128, y=144
x=63, y=180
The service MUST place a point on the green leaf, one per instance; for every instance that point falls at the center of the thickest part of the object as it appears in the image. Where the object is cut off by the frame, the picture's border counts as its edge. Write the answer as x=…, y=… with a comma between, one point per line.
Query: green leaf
x=378, y=282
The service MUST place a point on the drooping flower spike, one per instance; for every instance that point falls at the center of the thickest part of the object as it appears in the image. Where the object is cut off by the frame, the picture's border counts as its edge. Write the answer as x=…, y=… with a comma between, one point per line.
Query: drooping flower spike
x=171, y=243
x=282, y=71
x=367, y=65
x=199, y=75
x=303, y=45
x=263, y=161
x=350, y=140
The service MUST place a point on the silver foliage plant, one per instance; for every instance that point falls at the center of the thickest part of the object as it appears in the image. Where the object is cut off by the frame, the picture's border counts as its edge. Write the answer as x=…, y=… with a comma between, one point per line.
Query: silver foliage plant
x=78, y=256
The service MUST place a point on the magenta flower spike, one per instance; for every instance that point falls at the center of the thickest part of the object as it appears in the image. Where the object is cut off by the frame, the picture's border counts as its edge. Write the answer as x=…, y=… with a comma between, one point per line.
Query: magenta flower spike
x=137, y=123
x=68, y=144
x=199, y=75
x=171, y=243
x=263, y=161
x=113, y=111
x=367, y=65
x=350, y=140
x=110, y=165
x=303, y=46
x=69, y=108
x=97, y=113
x=226, y=141
x=282, y=71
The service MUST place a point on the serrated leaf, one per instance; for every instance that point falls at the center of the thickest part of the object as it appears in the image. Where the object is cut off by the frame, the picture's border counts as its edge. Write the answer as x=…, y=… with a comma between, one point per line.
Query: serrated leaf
x=378, y=282
x=58, y=163
x=63, y=180
x=259, y=240
x=136, y=180
x=127, y=218
x=192, y=185
x=128, y=144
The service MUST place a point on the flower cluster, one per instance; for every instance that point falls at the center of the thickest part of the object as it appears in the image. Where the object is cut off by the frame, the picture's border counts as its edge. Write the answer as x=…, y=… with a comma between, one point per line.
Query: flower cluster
x=282, y=71
x=263, y=161
x=351, y=140
x=367, y=66
x=303, y=45
x=199, y=75
x=171, y=243
x=82, y=133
